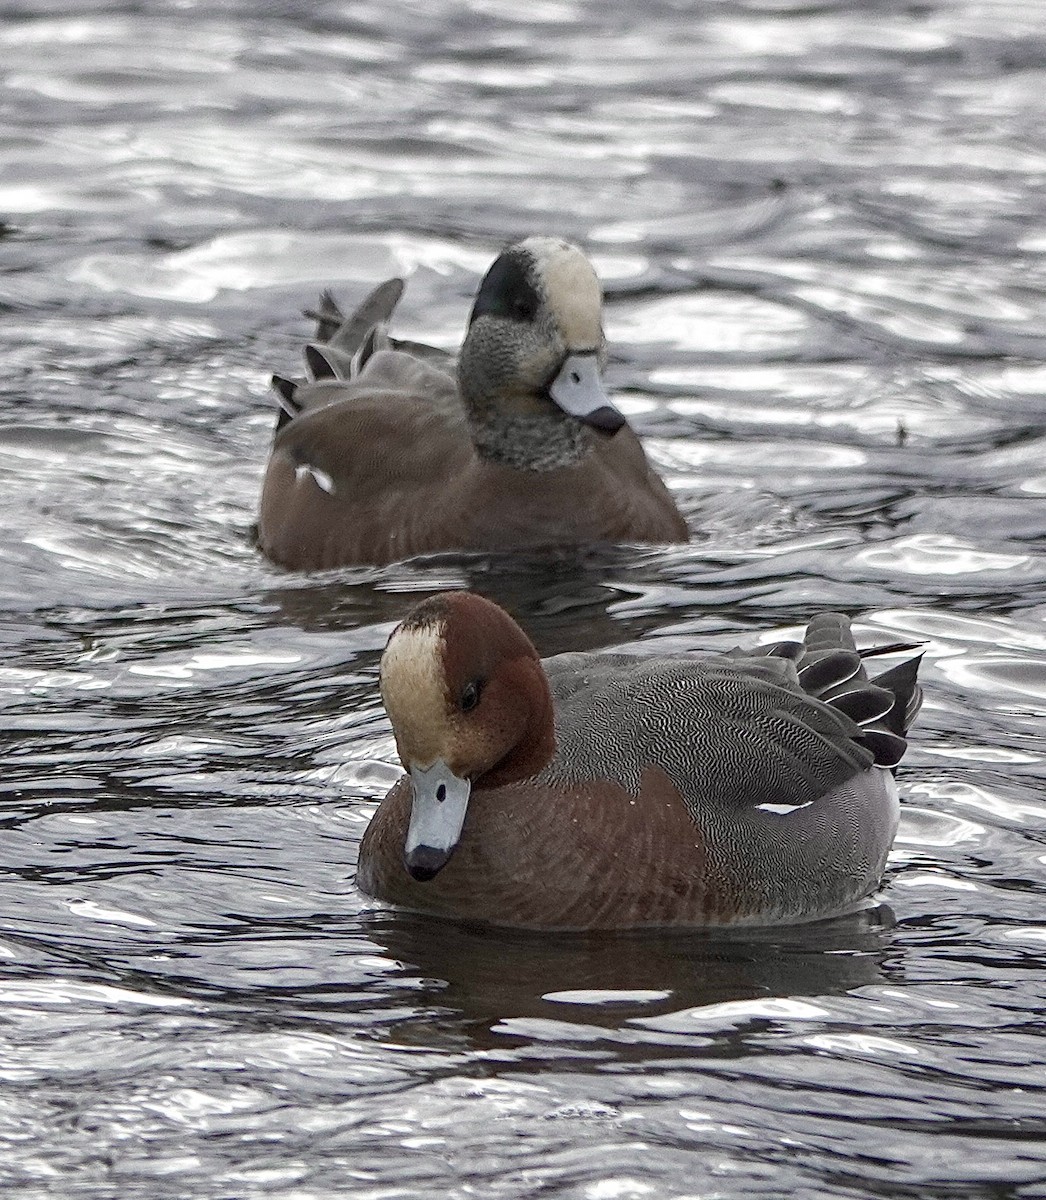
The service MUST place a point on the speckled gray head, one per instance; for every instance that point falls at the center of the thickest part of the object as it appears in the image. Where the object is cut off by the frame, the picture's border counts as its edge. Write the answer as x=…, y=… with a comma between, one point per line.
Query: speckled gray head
x=530, y=368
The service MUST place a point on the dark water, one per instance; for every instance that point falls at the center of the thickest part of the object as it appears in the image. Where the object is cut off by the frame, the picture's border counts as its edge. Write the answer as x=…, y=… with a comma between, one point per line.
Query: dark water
x=821, y=228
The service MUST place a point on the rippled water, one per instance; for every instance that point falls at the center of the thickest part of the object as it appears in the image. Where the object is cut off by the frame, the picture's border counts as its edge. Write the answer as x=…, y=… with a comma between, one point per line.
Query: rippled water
x=821, y=231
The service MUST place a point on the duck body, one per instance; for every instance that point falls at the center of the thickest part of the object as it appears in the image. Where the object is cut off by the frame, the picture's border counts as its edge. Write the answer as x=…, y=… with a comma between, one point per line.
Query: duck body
x=394, y=449
x=672, y=791
x=390, y=473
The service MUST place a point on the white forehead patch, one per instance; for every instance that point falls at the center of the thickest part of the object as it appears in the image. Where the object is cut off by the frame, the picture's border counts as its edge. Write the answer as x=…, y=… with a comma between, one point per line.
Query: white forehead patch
x=571, y=289
x=413, y=689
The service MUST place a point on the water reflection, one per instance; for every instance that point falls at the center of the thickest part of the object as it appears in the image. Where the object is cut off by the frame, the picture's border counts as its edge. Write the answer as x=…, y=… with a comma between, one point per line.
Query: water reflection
x=565, y=598
x=487, y=983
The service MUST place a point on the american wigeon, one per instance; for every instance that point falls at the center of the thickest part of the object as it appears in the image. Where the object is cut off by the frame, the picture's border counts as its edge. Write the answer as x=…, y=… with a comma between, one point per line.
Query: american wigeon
x=390, y=450
x=610, y=791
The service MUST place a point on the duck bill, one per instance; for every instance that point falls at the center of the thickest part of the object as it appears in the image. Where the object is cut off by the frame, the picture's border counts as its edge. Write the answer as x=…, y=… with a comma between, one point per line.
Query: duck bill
x=437, y=813
x=578, y=390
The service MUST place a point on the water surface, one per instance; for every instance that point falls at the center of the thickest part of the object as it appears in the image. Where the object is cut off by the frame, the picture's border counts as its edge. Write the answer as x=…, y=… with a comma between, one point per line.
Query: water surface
x=821, y=232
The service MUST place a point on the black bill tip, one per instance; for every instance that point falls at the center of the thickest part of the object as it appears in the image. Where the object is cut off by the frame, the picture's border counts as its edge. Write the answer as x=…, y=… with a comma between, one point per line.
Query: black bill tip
x=606, y=419
x=425, y=862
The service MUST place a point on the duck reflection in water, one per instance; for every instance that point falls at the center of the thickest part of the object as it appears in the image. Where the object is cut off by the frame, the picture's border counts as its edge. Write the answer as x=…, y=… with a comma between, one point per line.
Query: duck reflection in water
x=484, y=987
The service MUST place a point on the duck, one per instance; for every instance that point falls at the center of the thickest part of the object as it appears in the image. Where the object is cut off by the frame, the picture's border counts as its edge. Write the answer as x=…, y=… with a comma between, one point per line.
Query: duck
x=392, y=448
x=614, y=791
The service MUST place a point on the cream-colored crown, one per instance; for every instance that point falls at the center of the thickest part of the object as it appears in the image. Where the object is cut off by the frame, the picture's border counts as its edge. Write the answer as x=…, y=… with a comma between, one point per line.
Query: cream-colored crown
x=414, y=691
x=571, y=289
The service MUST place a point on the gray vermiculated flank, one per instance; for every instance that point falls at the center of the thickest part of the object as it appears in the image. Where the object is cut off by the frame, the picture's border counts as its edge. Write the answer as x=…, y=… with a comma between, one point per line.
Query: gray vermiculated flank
x=730, y=730
x=786, y=796
x=726, y=737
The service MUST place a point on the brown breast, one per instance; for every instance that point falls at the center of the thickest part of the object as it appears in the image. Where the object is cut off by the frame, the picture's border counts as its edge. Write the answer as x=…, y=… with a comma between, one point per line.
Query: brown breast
x=586, y=858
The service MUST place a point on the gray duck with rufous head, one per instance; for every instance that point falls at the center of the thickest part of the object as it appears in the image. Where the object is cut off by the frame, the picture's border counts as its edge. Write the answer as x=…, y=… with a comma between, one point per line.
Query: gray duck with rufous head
x=613, y=791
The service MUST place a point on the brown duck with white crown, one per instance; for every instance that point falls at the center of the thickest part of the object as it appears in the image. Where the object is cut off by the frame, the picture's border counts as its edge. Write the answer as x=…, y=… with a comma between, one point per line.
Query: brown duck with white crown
x=387, y=452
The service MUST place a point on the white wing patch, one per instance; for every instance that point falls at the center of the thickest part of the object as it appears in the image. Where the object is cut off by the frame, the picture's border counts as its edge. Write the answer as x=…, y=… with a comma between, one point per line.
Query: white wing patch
x=783, y=808
x=323, y=481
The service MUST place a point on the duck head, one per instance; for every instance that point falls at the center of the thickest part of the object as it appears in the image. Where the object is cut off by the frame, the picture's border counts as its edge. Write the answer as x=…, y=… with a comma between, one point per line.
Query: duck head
x=530, y=371
x=470, y=708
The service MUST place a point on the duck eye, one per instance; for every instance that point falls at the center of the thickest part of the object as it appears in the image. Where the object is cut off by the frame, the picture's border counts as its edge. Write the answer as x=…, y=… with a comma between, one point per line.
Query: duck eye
x=469, y=696
x=524, y=306
x=507, y=291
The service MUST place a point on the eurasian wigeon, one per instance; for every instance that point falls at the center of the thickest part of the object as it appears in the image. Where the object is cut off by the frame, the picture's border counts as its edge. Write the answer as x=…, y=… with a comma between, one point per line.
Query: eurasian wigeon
x=612, y=791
